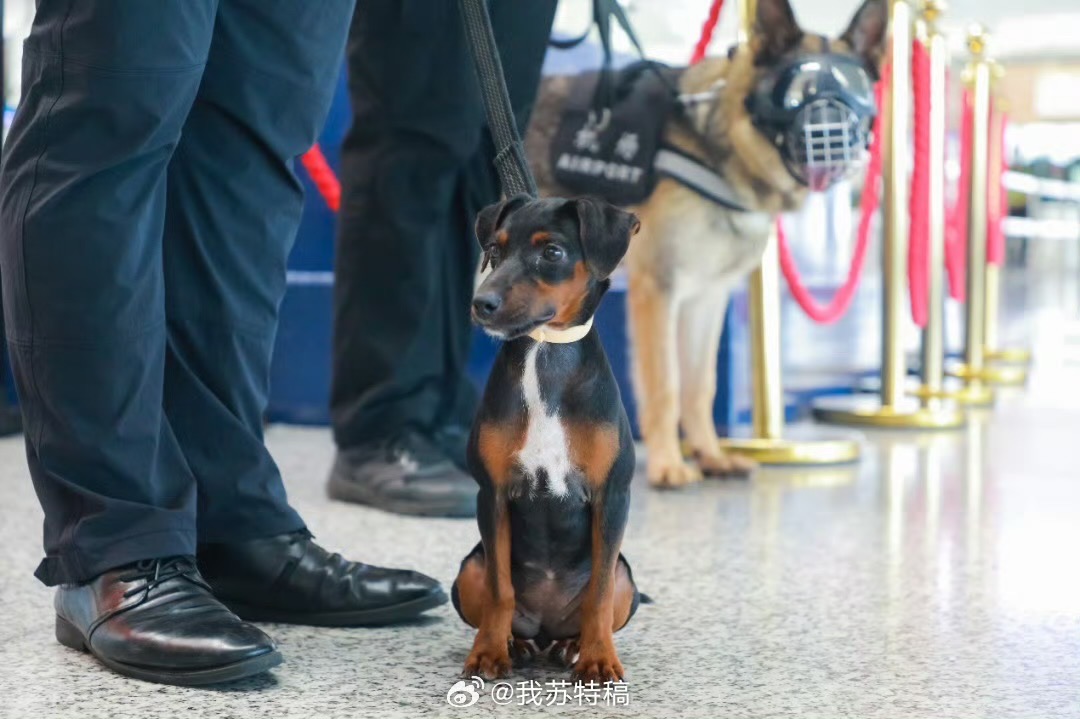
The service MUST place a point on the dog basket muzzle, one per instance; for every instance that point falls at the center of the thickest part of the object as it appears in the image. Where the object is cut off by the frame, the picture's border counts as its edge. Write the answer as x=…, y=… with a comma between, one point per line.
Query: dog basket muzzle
x=826, y=142
x=819, y=110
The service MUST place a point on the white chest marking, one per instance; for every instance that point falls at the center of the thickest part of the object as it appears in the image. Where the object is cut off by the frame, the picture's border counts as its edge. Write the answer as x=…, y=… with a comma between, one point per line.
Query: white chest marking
x=545, y=439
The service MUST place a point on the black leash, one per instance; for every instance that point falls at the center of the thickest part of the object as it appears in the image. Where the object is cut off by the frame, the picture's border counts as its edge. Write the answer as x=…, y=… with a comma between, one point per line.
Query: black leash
x=510, y=160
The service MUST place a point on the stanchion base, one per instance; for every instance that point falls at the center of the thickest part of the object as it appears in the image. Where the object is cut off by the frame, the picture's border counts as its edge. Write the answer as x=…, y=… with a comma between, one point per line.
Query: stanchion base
x=794, y=451
x=1009, y=355
x=974, y=395
x=869, y=412
x=993, y=374
x=949, y=390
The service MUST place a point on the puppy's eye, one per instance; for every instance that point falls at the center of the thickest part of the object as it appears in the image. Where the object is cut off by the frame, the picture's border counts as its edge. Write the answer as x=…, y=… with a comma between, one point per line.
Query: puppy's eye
x=494, y=254
x=553, y=253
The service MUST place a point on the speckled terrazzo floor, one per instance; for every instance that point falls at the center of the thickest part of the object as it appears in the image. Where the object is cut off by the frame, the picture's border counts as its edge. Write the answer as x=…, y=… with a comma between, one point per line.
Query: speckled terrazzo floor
x=936, y=579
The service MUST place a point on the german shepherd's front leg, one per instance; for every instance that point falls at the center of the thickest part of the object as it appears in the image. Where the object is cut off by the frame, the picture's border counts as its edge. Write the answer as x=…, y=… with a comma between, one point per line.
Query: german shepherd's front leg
x=490, y=655
x=652, y=311
x=701, y=322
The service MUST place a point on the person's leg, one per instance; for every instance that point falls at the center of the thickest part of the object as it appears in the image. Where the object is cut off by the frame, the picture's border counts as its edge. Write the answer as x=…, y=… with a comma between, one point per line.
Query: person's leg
x=415, y=171
x=234, y=204
x=10, y=416
x=417, y=116
x=106, y=88
x=233, y=208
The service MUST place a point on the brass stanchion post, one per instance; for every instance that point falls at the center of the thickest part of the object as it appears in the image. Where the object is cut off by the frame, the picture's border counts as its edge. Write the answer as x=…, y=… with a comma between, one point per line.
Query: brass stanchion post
x=893, y=409
x=768, y=446
x=933, y=335
x=994, y=352
x=932, y=388
x=767, y=376
x=974, y=371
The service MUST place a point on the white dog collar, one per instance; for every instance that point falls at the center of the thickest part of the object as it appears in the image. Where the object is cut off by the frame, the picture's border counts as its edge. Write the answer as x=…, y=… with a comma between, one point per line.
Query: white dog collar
x=561, y=337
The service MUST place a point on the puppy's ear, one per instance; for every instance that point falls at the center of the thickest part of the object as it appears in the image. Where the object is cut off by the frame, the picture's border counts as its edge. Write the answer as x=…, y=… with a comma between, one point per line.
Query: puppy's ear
x=491, y=217
x=605, y=232
x=775, y=31
x=866, y=34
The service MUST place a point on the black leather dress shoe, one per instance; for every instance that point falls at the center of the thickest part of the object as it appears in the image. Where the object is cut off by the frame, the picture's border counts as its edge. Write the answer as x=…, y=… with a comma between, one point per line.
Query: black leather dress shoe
x=289, y=578
x=405, y=474
x=156, y=620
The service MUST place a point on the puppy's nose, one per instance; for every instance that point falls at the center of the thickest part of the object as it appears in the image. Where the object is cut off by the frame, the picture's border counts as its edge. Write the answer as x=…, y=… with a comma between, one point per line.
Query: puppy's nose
x=486, y=305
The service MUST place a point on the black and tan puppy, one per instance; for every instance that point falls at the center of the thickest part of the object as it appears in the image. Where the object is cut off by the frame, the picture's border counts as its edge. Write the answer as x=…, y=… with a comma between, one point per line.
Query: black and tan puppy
x=551, y=446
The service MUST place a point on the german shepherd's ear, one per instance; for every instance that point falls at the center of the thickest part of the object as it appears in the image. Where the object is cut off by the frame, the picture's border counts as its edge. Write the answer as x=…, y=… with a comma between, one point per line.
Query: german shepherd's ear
x=605, y=232
x=866, y=34
x=491, y=217
x=775, y=31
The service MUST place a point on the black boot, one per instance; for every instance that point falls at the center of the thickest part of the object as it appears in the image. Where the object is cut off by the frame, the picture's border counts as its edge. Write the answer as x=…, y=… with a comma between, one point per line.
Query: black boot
x=157, y=620
x=407, y=474
x=289, y=578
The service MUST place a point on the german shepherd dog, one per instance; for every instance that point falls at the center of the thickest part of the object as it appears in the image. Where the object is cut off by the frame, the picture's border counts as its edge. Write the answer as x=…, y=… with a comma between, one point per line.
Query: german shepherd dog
x=691, y=252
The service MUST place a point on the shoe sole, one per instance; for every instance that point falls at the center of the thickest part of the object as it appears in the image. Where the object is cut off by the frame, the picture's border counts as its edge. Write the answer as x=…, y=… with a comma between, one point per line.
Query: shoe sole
x=378, y=616
x=70, y=636
x=348, y=491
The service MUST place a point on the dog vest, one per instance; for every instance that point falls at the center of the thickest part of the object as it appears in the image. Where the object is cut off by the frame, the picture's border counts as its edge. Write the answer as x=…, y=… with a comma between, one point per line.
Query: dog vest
x=606, y=147
x=615, y=150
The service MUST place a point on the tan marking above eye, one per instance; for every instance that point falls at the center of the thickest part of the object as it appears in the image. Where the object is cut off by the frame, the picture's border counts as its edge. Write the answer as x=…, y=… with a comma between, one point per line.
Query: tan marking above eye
x=540, y=238
x=502, y=237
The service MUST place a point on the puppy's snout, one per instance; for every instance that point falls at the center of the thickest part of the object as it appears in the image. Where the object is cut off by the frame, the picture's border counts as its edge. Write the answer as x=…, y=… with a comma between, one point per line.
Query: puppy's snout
x=486, y=304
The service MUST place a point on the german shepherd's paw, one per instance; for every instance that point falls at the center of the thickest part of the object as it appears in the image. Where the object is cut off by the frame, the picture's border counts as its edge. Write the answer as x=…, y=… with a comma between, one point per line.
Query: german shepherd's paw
x=672, y=472
x=489, y=660
x=718, y=463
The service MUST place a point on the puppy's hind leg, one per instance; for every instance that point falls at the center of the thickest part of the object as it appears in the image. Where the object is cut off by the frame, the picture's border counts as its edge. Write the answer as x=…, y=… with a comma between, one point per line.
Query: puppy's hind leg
x=701, y=322
x=652, y=311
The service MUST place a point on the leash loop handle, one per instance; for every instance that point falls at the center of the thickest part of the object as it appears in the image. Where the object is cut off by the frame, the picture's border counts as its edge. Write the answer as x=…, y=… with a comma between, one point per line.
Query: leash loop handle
x=510, y=160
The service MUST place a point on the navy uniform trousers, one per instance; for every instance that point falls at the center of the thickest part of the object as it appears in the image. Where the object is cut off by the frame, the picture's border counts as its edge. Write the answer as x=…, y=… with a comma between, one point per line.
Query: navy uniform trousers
x=147, y=206
x=416, y=167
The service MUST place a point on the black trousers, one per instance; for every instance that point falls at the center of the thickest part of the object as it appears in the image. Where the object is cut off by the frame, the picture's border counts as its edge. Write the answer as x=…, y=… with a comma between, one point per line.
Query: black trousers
x=416, y=168
x=147, y=206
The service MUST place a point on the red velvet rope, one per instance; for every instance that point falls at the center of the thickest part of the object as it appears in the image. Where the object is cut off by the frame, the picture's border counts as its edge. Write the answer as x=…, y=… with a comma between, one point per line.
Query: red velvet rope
x=707, y=31
x=323, y=176
x=868, y=205
x=919, y=202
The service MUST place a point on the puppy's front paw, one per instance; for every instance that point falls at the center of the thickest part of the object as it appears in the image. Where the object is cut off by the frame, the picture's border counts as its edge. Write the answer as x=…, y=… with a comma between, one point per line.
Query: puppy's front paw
x=715, y=462
x=671, y=472
x=599, y=663
x=490, y=660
